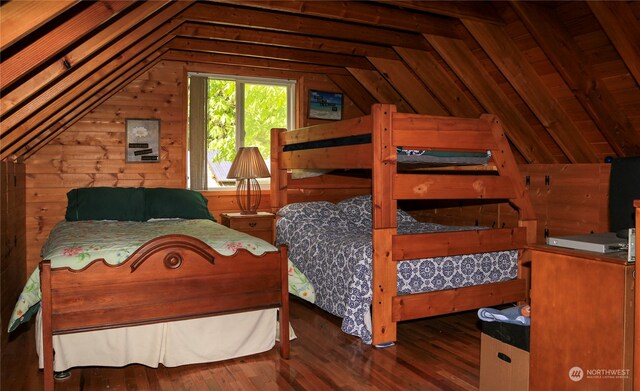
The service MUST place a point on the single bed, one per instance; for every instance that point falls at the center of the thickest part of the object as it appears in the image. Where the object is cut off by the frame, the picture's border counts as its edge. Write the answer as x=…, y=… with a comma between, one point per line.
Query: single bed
x=385, y=131
x=331, y=246
x=176, y=288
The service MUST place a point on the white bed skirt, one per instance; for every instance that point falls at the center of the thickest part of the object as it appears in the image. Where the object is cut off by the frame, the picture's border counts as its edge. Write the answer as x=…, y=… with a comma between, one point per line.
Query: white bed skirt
x=170, y=344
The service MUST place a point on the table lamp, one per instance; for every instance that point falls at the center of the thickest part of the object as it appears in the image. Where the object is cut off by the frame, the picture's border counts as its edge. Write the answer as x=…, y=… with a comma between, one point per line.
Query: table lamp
x=246, y=167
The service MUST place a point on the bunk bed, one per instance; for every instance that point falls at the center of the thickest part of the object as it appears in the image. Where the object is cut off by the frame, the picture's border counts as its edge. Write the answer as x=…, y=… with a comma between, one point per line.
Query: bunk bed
x=138, y=278
x=375, y=142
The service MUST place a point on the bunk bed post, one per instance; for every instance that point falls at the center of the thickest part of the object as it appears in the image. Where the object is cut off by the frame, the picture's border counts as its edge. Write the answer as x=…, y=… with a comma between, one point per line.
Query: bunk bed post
x=384, y=281
x=506, y=165
x=278, y=186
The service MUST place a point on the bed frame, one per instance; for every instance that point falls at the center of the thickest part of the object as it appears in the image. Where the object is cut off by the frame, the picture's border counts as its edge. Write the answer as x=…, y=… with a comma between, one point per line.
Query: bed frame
x=499, y=180
x=169, y=278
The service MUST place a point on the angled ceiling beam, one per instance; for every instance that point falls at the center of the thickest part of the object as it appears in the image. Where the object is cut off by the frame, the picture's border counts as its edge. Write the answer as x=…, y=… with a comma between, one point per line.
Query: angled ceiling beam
x=135, y=57
x=13, y=24
x=96, y=69
x=480, y=11
x=621, y=26
x=516, y=68
x=362, y=12
x=58, y=39
x=75, y=56
x=242, y=61
x=577, y=71
x=355, y=91
x=272, y=52
x=467, y=67
x=432, y=74
x=79, y=112
x=409, y=86
x=380, y=89
x=245, y=35
x=33, y=111
x=258, y=19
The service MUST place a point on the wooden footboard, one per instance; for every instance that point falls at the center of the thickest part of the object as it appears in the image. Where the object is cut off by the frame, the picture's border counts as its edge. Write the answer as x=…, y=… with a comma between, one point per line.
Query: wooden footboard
x=169, y=278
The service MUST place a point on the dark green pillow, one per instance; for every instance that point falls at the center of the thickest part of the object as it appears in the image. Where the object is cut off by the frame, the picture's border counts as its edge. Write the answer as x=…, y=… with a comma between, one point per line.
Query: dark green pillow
x=105, y=203
x=175, y=203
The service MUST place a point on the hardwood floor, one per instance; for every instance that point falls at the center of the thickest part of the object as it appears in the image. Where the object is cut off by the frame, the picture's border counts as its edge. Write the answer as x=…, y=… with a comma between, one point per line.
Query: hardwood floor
x=440, y=353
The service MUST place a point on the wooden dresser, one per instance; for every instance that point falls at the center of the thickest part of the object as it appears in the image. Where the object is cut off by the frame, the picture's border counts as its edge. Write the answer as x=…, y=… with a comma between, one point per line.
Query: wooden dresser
x=582, y=320
x=259, y=225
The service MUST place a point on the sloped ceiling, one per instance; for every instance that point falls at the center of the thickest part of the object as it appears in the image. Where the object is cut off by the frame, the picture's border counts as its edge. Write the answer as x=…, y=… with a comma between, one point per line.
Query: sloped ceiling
x=562, y=76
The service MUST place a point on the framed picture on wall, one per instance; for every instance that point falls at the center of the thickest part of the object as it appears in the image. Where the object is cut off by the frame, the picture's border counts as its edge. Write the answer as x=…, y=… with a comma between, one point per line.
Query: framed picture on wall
x=325, y=105
x=143, y=140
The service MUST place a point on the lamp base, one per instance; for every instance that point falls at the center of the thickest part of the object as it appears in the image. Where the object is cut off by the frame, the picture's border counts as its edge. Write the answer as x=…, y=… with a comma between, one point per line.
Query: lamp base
x=248, y=195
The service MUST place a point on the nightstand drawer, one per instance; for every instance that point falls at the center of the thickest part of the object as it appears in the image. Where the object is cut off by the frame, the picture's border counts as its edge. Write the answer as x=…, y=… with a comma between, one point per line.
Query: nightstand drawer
x=259, y=225
x=253, y=224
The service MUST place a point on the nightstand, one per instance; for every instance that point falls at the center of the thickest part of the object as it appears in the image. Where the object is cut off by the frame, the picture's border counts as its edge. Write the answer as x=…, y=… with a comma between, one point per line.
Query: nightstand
x=259, y=225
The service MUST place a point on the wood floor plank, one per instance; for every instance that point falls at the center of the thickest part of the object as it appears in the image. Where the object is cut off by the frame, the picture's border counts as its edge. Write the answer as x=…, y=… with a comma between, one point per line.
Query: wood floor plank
x=441, y=353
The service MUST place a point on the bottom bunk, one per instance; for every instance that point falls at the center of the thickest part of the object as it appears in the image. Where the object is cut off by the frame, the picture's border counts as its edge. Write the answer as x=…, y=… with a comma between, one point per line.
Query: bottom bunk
x=331, y=248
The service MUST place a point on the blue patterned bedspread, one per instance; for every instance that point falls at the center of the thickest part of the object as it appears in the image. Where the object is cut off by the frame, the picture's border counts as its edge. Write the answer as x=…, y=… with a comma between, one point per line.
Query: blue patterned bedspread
x=331, y=245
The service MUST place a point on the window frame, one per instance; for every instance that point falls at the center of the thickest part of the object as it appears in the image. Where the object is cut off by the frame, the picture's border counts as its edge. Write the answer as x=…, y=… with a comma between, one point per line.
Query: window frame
x=241, y=81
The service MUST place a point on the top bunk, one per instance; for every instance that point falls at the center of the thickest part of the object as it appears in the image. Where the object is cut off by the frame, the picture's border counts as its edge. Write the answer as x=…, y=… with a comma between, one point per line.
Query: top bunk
x=453, y=158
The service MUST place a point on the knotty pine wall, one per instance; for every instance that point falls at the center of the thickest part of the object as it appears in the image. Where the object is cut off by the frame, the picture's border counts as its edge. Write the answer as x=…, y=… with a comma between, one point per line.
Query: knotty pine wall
x=13, y=246
x=92, y=151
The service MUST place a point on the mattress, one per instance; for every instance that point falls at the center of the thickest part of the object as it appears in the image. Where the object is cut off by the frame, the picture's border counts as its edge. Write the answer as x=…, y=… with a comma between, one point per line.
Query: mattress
x=408, y=156
x=335, y=253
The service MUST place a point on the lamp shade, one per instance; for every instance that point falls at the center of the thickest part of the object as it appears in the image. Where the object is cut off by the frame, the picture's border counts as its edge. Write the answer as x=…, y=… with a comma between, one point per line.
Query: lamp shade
x=248, y=164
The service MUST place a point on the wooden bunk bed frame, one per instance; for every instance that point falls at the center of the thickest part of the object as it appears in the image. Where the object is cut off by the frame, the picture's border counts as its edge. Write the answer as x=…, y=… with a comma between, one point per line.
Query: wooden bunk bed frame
x=172, y=277
x=500, y=180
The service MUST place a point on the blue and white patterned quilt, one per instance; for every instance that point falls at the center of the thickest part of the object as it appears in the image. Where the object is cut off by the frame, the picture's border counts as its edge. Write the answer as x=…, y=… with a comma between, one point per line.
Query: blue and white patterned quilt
x=331, y=245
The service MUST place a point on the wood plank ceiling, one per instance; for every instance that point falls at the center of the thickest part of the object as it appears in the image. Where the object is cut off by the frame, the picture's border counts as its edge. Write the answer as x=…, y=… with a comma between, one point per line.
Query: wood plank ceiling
x=562, y=76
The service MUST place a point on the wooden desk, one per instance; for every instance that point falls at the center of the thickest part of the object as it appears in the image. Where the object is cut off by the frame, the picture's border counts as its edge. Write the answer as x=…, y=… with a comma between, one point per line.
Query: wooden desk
x=581, y=317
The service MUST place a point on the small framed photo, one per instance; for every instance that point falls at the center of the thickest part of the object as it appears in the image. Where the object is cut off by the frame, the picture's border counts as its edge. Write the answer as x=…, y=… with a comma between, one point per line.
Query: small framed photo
x=325, y=105
x=143, y=140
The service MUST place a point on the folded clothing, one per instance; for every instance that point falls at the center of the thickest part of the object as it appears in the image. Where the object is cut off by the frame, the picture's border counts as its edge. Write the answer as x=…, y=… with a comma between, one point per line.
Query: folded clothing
x=517, y=315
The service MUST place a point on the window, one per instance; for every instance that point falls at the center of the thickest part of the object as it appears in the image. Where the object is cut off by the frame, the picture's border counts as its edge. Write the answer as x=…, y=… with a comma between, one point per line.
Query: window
x=229, y=112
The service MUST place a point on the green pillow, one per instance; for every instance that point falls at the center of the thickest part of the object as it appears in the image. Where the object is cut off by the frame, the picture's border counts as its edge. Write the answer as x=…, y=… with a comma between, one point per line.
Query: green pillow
x=105, y=203
x=175, y=203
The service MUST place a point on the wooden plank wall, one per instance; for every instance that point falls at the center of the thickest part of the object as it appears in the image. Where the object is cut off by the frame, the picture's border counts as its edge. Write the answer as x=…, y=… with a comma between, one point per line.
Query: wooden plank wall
x=13, y=246
x=567, y=198
x=92, y=152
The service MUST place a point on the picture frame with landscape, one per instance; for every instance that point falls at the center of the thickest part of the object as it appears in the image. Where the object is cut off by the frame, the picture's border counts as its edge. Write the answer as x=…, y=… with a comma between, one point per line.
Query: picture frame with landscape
x=325, y=105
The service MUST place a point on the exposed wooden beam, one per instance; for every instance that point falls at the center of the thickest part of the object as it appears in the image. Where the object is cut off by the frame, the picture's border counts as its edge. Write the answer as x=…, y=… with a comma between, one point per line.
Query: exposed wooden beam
x=95, y=92
x=362, y=12
x=13, y=24
x=265, y=37
x=524, y=79
x=243, y=61
x=79, y=112
x=460, y=58
x=58, y=39
x=97, y=68
x=75, y=56
x=409, y=86
x=621, y=26
x=480, y=11
x=432, y=74
x=380, y=88
x=254, y=18
x=266, y=51
x=355, y=91
x=577, y=71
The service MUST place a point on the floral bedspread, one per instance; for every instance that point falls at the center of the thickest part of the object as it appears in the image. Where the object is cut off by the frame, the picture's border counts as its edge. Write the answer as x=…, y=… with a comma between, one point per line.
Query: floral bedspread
x=332, y=247
x=75, y=244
